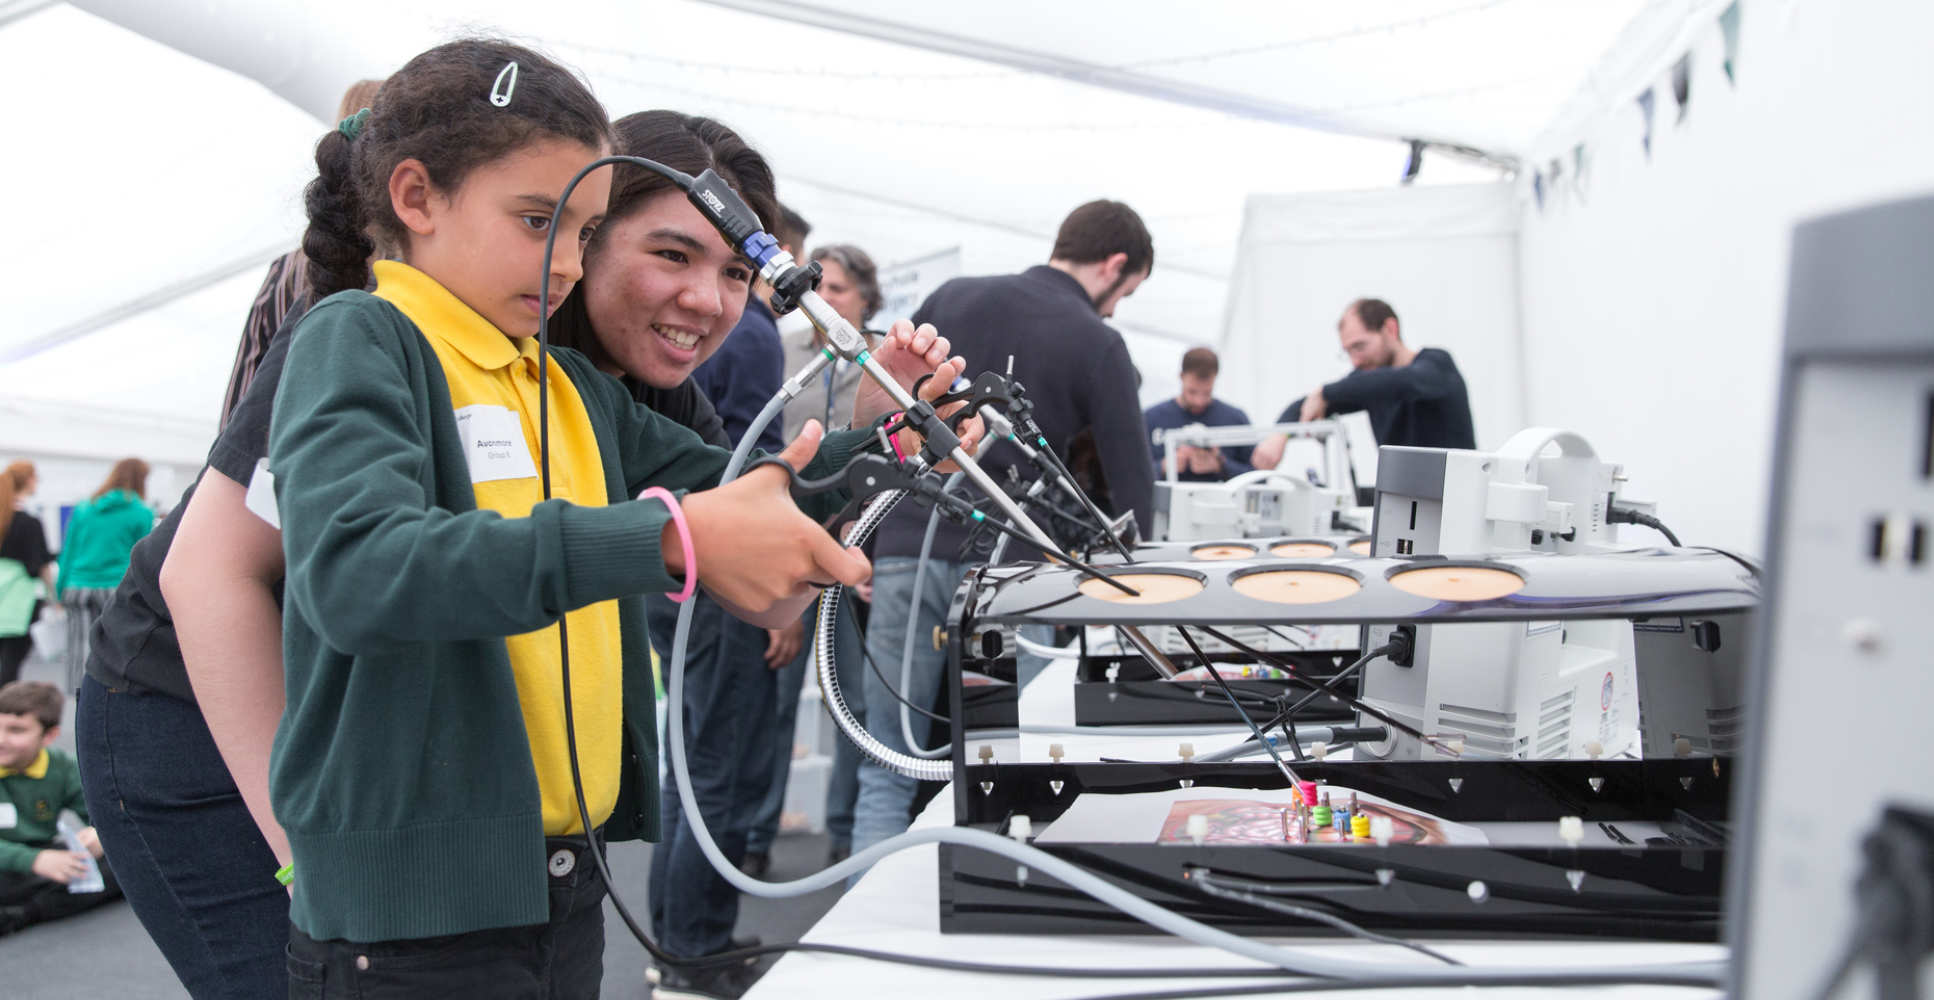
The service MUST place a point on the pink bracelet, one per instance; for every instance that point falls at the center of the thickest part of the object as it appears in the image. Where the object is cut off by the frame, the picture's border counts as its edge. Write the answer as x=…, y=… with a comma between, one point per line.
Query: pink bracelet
x=665, y=497
x=893, y=439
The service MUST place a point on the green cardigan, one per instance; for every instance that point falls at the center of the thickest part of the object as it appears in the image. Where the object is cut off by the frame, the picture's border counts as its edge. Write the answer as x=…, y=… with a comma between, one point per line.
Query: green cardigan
x=401, y=770
x=36, y=804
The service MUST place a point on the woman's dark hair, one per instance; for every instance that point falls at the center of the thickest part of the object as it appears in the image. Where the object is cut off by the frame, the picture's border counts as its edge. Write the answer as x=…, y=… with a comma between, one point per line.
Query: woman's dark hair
x=687, y=143
x=860, y=267
x=438, y=109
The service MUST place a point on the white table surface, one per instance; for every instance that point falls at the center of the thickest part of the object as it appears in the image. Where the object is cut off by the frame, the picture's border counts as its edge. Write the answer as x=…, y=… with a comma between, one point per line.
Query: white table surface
x=896, y=908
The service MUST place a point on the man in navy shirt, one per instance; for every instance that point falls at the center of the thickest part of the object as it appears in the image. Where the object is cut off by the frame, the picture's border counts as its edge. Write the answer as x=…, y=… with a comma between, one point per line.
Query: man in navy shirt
x=1052, y=320
x=1414, y=397
x=1197, y=405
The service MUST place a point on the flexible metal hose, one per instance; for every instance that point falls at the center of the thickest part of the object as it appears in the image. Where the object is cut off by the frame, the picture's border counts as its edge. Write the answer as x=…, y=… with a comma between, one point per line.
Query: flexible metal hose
x=826, y=628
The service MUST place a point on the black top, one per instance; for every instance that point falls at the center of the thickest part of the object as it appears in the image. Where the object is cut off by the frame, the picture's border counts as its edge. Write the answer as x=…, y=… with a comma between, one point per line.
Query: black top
x=133, y=644
x=26, y=543
x=745, y=373
x=1421, y=405
x=1168, y=415
x=685, y=404
x=1076, y=371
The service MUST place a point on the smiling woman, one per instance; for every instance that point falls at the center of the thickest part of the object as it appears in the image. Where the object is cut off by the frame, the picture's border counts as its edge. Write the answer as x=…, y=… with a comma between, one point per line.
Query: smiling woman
x=661, y=288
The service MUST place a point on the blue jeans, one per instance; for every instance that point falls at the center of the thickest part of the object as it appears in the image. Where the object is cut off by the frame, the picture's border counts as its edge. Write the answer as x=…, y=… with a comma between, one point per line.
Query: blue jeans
x=885, y=797
x=189, y=857
x=728, y=707
x=788, y=681
x=777, y=743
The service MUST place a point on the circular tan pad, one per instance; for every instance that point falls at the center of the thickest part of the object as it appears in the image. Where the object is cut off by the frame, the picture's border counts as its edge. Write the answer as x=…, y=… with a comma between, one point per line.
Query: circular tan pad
x=1223, y=551
x=1458, y=583
x=1304, y=550
x=1155, y=588
x=1361, y=546
x=1296, y=586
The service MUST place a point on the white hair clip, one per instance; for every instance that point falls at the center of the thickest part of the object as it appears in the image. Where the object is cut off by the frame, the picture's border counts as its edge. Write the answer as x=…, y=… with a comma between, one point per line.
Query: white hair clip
x=500, y=91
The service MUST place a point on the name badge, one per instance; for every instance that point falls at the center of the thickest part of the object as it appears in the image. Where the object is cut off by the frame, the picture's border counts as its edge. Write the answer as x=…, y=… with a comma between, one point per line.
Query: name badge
x=493, y=441
x=260, y=498
x=9, y=817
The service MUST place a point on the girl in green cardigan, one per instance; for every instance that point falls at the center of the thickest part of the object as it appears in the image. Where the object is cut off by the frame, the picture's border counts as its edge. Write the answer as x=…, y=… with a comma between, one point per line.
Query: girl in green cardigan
x=418, y=769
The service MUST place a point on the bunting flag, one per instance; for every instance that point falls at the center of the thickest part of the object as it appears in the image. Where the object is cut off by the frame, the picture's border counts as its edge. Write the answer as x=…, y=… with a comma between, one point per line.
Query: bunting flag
x=1646, y=101
x=1682, y=85
x=1729, y=27
x=1538, y=188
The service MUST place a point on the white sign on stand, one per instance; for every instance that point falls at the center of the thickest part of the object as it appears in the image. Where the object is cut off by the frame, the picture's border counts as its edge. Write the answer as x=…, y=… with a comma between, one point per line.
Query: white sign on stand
x=907, y=283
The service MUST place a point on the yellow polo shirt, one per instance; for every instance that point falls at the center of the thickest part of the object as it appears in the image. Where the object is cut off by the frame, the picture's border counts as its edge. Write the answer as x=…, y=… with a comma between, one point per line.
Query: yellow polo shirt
x=493, y=387
x=36, y=770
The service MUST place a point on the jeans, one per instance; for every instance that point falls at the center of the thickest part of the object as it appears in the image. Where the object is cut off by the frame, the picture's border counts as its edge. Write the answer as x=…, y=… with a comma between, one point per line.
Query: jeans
x=777, y=741
x=728, y=706
x=885, y=797
x=186, y=851
x=84, y=607
x=789, y=680
x=562, y=959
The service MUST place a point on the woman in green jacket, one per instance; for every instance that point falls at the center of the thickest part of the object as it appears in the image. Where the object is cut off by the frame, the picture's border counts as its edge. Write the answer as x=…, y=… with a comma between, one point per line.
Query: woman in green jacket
x=94, y=556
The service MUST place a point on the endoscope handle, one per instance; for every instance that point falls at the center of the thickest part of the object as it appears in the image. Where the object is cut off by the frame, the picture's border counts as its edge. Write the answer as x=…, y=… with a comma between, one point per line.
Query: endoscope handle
x=729, y=214
x=866, y=476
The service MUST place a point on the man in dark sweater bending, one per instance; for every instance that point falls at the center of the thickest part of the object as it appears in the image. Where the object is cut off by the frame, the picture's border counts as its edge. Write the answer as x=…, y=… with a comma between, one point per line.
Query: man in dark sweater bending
x=1049, y=319
x=1414, y=397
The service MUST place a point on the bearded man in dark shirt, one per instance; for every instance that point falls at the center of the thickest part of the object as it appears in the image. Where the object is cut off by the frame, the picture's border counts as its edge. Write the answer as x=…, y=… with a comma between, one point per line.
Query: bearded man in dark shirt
x=1414, y=397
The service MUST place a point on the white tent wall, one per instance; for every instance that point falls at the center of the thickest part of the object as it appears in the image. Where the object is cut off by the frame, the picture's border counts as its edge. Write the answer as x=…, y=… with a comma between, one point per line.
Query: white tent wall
x=1654, y=291
x=1444, y=257
x=73, y=447
x=897, y=148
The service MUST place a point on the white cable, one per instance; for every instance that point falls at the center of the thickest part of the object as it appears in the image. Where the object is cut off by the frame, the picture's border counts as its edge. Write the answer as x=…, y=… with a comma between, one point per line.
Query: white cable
x=1297, y=960
x=1043, y=649
x=906, y=646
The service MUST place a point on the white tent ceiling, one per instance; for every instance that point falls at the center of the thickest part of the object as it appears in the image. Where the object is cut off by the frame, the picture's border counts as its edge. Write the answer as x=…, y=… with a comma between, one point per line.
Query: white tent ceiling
x=160, y=145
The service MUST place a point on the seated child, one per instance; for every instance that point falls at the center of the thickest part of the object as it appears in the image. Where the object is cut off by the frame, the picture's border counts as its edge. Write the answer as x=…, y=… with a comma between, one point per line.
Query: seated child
x=36, y=783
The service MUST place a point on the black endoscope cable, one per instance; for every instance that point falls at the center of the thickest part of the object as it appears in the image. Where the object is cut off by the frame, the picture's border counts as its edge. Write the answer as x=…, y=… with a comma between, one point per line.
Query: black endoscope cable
x=880, y=675
x=1212, y=884
x=1237, y=705
x=1626, y=515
